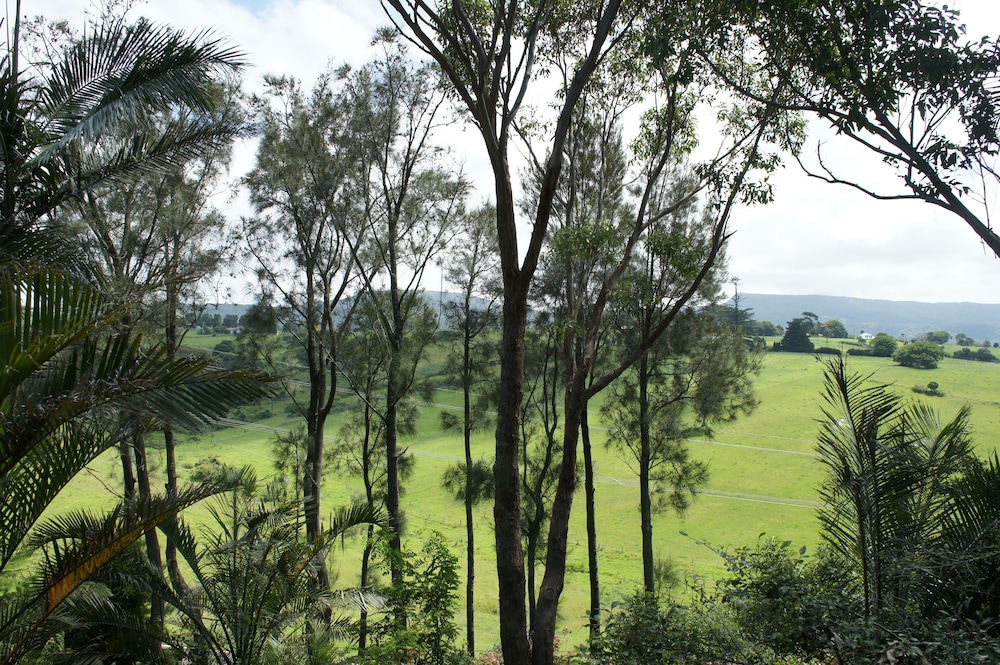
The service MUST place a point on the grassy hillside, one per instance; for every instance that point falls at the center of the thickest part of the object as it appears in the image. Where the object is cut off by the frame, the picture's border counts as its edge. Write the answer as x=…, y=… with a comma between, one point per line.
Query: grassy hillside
x=763, y=479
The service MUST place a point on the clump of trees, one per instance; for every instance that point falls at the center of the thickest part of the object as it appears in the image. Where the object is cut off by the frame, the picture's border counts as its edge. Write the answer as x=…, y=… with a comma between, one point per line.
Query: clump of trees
x=919, y=355
x=982, y=354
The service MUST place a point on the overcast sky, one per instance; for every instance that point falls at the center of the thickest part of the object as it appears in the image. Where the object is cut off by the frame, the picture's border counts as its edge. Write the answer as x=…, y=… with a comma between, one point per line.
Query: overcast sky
x=815, y=238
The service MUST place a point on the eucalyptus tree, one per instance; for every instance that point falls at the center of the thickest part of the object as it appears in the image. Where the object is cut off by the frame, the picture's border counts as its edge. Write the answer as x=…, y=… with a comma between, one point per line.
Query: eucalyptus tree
x=488, y=54
x=590, y=201
x=541, y=444
x=301, y=240
x=899, y=78
x=471, y=266
x=411, y=201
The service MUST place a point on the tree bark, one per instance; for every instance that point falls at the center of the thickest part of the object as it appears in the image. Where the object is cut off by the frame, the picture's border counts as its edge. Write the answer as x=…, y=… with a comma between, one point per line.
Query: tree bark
x=156, y=604
x=595, y=577
x=645, y=496
x=507, y=504
x=470, y=532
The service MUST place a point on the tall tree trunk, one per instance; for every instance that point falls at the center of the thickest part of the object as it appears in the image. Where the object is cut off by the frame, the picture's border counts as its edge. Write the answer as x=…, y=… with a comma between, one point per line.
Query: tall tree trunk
x=128, y=470
x=544, y=631
x=645, y=497
x=170, y=445
x=366, y=556
x=312, y=480
x=507, y=481
x=156, y=604
x=314, y=472
x=595, y=577
x=470, y=532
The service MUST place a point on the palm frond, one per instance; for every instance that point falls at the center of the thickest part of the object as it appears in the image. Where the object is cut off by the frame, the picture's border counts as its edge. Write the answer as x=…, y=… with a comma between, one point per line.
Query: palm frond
x=77, y=545
x=120, y=72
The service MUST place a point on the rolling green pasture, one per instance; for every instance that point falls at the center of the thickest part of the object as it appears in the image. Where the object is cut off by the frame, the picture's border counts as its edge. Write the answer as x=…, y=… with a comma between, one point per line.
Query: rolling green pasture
x=763, y=479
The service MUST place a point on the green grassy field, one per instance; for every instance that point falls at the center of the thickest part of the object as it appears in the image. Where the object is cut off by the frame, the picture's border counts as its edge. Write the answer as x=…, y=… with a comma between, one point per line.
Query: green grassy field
x=763, y=480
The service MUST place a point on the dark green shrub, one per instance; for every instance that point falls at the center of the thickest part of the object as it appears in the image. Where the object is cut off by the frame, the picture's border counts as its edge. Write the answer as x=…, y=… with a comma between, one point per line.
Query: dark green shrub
x=919, y=355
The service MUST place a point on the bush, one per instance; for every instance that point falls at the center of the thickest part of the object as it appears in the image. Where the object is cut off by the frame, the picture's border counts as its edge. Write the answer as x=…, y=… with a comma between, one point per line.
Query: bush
x=883, y=346
x=644, y=631
x=786, y=602
x=859, y=352
x=919, y=355
x=982, y=354
x=827, y=350
x=931, y=389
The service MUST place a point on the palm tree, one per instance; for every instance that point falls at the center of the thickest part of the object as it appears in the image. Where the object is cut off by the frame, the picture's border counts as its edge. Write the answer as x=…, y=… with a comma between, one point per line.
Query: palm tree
x=256, y=576
x=891, y=468
x=68, y=371
x=96, y=115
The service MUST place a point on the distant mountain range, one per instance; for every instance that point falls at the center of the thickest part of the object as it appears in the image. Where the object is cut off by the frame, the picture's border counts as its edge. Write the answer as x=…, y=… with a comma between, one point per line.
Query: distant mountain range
x=897, y=318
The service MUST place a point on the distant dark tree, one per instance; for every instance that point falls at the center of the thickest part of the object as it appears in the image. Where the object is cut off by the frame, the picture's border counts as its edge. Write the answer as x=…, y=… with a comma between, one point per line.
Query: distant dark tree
x=812, y=322
x=230, y=320
x=796, y=337
x=938, y=336
x=964, y=340
x=832, y=328
x=984, y=355
x=919, y=355
x=883, y=346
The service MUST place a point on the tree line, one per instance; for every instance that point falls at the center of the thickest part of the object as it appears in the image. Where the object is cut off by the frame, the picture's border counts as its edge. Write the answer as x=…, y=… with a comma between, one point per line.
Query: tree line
x=118, y=138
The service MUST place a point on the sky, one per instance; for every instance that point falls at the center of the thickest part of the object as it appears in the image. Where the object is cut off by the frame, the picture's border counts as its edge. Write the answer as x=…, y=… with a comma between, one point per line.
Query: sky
x=815, y=238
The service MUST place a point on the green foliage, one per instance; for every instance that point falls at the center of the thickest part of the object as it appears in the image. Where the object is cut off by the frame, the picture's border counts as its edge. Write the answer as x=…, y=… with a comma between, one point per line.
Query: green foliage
x=647, y=631
x=883, y=346
x=785, y=601
x=428, y=598
x=964, y=340
x=919, y=355
x=931, y=390
x=937, y=336
x=899, y=77
x=832, y=328
x=256, y=577
x=982, y=354
x=796, y=338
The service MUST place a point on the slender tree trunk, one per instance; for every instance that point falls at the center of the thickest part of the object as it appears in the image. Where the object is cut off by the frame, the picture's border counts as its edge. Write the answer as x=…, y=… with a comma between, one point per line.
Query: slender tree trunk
x=170, y=445
x=645, y=497
x=470, y=532
x=595, y=577
x=365, y=567
x=128, y=470
x=312, y=480
x=544, y=631
x=366, y=475
x=156, y=604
